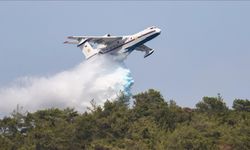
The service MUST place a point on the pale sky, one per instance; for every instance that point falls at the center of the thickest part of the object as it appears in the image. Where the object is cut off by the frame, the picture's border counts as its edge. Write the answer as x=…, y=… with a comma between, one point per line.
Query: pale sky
x=204, y=47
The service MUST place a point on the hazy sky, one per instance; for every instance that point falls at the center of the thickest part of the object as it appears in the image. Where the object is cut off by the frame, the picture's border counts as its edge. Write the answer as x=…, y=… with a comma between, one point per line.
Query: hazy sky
x=204, y=48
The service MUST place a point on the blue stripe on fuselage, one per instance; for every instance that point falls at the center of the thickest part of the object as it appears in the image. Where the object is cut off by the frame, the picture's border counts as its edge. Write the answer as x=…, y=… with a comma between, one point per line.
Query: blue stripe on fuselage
x=130, y=49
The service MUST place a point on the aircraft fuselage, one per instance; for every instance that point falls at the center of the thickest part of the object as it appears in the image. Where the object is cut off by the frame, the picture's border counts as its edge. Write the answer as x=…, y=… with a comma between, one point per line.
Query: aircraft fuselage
x=131, y=42
x=115, y=45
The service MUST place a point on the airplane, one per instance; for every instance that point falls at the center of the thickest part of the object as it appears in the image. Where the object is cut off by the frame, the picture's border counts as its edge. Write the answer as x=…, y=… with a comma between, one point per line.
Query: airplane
x=115, y=45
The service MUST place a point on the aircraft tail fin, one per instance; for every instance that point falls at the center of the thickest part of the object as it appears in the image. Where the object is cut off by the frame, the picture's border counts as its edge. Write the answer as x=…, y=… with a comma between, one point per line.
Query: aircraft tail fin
x=88, y=50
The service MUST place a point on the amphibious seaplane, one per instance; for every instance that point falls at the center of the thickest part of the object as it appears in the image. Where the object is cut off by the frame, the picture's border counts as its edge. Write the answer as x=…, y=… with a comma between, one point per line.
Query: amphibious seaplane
x=115, y=45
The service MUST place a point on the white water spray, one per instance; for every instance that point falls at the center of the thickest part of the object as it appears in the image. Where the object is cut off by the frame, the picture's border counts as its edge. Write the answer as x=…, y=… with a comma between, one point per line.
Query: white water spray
x=100, y=78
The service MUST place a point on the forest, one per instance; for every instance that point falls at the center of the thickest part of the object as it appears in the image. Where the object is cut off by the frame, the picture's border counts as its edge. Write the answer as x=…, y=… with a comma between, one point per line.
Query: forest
x=150, y=123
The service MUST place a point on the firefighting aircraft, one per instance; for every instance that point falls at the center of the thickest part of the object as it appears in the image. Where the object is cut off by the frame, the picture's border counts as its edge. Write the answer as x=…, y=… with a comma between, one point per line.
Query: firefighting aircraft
x=115, y=45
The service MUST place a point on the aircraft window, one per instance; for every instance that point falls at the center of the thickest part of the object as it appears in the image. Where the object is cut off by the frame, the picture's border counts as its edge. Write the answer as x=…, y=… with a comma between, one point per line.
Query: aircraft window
x=152, y=28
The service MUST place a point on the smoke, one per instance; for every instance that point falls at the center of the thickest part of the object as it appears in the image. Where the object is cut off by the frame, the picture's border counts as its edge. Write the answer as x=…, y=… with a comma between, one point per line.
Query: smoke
x=99, y=78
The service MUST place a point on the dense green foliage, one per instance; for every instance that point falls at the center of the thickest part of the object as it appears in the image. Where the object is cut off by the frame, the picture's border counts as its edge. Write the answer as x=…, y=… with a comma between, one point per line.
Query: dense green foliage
x=151, y=123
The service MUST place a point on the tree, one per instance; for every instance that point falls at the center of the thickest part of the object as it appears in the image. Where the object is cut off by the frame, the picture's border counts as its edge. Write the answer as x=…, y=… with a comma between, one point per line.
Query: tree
x=6, y=143
x=146, y=133
x=212, y=104
x=241, y=105
x=152, y=123
x=148, y=103
x=187, y=137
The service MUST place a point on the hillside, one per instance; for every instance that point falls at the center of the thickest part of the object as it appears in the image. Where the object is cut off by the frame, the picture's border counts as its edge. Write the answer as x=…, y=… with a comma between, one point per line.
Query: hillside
x=151, y=123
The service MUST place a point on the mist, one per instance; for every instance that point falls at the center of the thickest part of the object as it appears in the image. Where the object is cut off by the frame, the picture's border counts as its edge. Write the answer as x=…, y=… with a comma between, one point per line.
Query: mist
x=99, y=78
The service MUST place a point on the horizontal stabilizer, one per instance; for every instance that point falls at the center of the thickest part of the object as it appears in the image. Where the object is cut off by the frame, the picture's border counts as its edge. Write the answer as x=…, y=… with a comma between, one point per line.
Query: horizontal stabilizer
x=70, y=42
x=82, y=42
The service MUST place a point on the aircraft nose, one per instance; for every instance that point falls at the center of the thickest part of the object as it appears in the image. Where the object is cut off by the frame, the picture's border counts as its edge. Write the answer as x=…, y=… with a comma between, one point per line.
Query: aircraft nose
x=158, y=30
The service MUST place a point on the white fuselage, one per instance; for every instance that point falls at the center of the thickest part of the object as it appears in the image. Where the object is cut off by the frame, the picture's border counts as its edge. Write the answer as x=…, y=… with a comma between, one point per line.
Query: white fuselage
x=128, y=43
x=115, y=45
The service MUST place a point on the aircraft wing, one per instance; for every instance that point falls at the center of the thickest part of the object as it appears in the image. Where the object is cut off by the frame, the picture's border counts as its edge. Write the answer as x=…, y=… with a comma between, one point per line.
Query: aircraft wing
x=96, y=39
x=148, y=51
